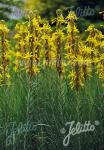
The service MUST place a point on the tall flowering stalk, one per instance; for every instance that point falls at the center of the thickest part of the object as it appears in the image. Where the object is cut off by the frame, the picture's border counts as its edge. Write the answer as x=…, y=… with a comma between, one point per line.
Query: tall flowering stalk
x=4, y=46
x=100, y=61
x=77, y=75
x=58, y=37
x=85, y=52
x=100, y=68
x=72, y=46
x=31, y=48
x=72, y=32
x=34, y=35
x=36, y=21
x=47, y=42
x=21, y=46
x=94, y=41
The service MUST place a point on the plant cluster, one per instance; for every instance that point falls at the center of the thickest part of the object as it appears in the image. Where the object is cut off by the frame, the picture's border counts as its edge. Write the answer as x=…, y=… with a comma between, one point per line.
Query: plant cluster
x=38, y=46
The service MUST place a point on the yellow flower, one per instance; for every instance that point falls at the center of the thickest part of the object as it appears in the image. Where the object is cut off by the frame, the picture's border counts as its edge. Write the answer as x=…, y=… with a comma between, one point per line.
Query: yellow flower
x=3, y=27
x=18, y=55
x=71, y=16
x=27, y=55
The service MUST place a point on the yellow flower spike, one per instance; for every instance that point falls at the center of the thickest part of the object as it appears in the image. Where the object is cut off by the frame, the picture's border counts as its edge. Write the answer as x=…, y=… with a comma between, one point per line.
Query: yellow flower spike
x=47, y=43
x=78, y=54
x=94, y=41
x=58, y=38
x=72, y=33
x=22, y=45
x=95, y=36
x=60, y=19
x=3, y=27
x=100, y=67
x=34, y=44
x=4, y=48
